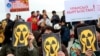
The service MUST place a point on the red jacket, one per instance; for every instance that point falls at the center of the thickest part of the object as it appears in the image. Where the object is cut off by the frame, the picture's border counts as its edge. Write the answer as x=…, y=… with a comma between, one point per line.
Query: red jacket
x=34, y=22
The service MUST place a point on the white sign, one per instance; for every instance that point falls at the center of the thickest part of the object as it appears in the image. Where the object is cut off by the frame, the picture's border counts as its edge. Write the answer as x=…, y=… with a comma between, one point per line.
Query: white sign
x=97, y=5
x=80, y=10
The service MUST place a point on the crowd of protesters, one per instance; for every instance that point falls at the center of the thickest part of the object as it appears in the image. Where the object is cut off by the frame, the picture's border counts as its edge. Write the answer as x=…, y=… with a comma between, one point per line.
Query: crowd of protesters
x=41, y=24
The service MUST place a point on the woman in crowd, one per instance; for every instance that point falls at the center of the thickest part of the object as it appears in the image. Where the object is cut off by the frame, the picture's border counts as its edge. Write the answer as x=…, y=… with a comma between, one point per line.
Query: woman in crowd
x=75, y=49
x=49, y=30
x=45, y=21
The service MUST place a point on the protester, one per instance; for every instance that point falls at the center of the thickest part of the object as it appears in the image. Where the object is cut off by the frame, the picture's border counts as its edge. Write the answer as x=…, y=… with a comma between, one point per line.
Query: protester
x=49, y=30
x=75, y=50
x=38, y=15
x=45, y=21
x=64, y=31
x=55, y=18
x=8, y=29
x=18, y=19
x=68, y=24
x=30, y=50
x=65, y=34
x=44, y=12
x=63, y=16
x=8, y=19
x=33, y=19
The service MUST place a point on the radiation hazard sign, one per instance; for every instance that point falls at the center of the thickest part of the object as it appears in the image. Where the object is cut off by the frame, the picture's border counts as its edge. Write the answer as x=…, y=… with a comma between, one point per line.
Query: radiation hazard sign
x=51, y=44
x=20, y=34
x=87, y=38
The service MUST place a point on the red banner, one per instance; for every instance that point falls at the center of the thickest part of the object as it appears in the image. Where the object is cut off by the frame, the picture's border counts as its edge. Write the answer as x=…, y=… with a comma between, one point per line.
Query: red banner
x=17, y=5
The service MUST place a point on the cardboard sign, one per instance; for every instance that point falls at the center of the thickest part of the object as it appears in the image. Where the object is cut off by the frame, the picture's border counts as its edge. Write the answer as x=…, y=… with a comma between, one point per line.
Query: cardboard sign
x=80, y=10
x=51, y=44
x=17, y=5
x=21, y=33
x=87, y=38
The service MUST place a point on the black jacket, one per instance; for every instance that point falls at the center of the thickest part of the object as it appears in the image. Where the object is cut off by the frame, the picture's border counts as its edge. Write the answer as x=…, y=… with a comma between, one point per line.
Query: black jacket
x=8, y=31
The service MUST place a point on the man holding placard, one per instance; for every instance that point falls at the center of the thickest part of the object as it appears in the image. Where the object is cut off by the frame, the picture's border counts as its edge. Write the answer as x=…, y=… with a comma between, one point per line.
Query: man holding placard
x=24, y=43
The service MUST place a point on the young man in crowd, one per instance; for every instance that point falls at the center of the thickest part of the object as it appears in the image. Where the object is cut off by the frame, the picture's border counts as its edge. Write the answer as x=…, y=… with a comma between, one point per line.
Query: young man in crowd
x=8, y=19
x=55, y=18
x=44, y=12
x=9, y=24
x=33, y=19
x=38, y=15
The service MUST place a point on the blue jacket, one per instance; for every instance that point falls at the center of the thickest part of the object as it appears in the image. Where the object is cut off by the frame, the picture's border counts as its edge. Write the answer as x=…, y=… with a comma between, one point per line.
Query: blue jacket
x=65, y=33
